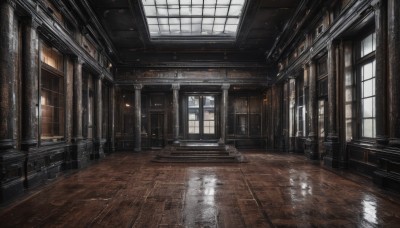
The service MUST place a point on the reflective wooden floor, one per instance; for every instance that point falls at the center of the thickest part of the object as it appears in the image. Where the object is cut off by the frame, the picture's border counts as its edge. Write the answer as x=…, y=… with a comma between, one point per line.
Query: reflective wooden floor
x=127, y=190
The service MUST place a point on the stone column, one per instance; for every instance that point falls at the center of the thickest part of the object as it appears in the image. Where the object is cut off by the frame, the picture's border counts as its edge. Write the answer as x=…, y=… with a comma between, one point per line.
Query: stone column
x=175, y=112
x=99, y=152
x=8, y=55
x=77, y=106
x=332, y=146
x=224, y=112
x=11, y=161
x=311, y=142
x=394, y=71
x=381, y=72
x=30, y=85
x=112, y=119
x=138, y=118
x=79, y=158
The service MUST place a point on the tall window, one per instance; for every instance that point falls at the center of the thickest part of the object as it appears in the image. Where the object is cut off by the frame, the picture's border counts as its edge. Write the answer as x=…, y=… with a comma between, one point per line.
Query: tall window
x=366, y=75
x=52, y=94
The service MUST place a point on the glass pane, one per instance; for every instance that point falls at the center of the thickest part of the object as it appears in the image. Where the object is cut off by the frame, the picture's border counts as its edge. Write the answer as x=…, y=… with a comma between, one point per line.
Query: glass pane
x=208, y=20
x=148, y=2
x=209, y=127
x=220, y=21
x=221, y=11
x=232, y=21
x=163, y=21
x=223, y=2
x=193, y=101
x=368, y=45
x=368, y=71
x=231, y=28
x=237, y=2
x=368, y=107
x=368, y=128
x=368, y=88
x=152, y=21
x=194, y=127
x=150, y=10
x=209, y=11
x=235, y=10
x=161, y=2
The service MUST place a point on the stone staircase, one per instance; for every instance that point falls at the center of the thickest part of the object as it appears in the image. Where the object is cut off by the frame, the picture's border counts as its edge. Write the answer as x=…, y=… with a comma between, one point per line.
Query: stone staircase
x=199, y=151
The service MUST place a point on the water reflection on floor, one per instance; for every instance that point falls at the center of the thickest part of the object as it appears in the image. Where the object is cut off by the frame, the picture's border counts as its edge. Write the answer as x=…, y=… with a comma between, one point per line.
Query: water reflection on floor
x=127, y=190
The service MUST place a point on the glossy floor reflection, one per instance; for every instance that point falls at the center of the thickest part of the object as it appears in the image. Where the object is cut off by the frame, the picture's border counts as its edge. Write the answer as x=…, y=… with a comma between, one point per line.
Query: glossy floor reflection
x=127, y=190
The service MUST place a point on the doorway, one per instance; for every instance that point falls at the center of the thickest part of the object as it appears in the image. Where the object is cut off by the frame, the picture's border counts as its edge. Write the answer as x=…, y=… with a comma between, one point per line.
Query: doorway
x=157, y=129
x=201, y=117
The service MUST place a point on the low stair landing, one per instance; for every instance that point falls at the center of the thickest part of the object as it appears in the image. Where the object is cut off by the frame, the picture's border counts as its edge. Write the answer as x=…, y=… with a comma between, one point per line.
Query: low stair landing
x=199, y=152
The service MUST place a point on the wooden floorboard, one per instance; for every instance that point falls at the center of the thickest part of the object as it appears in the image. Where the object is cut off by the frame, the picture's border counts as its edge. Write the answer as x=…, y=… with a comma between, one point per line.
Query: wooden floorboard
x=271, y=190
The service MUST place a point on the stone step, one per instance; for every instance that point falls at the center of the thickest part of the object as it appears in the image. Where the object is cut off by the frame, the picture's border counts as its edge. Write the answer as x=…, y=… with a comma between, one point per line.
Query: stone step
x=200, y=154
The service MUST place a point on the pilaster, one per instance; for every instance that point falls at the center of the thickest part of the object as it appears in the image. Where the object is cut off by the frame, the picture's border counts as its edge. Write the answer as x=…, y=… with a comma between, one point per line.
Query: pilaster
x=224, y=112
x=138, y=118
x=175, y=112
x=311, y=143
x=332, y=144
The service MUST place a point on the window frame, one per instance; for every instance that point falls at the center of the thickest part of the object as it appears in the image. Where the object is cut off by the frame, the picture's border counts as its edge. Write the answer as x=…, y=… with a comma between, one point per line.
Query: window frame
x=60, y=74
x=359, y=62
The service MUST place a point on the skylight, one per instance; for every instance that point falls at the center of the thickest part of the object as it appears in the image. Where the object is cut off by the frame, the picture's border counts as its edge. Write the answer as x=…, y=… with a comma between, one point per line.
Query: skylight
x=193, y=18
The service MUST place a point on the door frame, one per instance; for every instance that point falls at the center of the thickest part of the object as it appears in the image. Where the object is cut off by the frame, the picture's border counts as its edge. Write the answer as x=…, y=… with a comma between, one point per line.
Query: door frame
x=185, y=117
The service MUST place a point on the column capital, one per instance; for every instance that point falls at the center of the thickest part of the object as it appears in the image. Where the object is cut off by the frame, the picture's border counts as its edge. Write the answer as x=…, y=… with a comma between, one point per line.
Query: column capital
x=101, y=76
x=225, y=86
x=376, y=4
x=79, y=60
x=175, y=86
x=33, y=22
x=12, y=3
x=138, y=86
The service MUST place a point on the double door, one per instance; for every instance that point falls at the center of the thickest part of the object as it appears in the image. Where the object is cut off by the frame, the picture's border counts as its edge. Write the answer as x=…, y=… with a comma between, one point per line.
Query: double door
x=201, y=119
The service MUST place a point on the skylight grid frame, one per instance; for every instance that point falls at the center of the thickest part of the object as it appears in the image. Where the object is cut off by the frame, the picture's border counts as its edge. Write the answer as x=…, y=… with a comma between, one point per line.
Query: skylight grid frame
x=193, y=18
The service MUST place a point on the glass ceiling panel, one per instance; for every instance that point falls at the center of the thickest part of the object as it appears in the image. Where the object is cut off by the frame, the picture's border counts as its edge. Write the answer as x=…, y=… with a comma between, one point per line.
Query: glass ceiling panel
x=194, y=18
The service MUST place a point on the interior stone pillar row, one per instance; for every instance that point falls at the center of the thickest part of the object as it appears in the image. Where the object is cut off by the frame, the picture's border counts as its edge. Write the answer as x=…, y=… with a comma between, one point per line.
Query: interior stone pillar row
x=394, y=71
x=224, y=112
x=332, y=131
x=99, y=108
x=112, y=119
x=311, y=142
x=77, y=104
x=332, y=145
x=138, y=118
x=12, y=161
x=30, y=84
x=8, y=75
x=175, y=112
x=99, y=117
x=381, y=72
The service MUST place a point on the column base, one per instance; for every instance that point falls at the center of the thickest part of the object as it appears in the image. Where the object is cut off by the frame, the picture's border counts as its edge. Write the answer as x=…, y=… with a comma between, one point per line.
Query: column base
x=98, y=149
x=310, y=149
x=332, y=151
x=79, y=155
x=12, y=181
x=176, y=142
x=137, y=149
